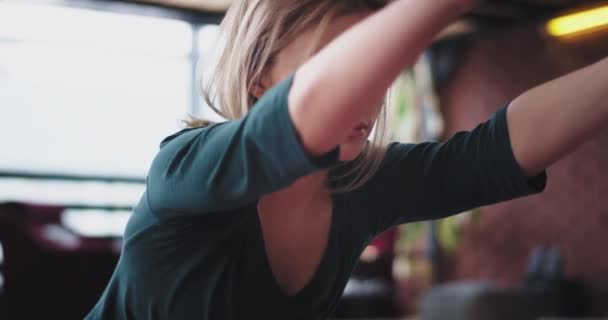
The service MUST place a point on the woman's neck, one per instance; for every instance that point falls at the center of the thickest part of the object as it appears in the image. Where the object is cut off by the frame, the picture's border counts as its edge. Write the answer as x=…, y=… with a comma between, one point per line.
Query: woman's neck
x=304, y=190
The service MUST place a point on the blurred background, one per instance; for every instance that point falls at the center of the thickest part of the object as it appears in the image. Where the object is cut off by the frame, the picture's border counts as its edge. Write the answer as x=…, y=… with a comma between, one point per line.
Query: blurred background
x=89, y=88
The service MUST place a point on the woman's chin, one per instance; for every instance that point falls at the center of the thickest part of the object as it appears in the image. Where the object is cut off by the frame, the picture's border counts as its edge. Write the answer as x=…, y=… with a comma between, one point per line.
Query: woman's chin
x=350, y=151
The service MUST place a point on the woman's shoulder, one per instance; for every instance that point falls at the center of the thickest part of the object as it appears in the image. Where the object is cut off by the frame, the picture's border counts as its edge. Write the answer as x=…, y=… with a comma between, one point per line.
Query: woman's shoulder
x=191, y=130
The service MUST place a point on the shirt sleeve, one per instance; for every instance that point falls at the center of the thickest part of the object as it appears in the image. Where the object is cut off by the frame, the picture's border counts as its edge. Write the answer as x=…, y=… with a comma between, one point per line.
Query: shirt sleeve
x=228, y=165
x=433, y=180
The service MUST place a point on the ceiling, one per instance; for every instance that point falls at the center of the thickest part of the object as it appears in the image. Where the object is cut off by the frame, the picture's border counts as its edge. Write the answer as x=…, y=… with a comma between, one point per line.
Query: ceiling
x=497, y=10
x=196, y=5
x=526, y=9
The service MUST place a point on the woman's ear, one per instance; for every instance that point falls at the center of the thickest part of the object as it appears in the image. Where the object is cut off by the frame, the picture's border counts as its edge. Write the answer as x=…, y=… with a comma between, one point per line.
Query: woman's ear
x=261, y=85
x=258, y=89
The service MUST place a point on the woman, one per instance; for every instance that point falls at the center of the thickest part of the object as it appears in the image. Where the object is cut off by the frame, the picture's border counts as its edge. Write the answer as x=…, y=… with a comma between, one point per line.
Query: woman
x=265, y=215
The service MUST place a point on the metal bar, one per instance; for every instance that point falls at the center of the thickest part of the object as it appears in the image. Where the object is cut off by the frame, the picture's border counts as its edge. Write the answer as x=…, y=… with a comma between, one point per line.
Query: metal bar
x=141, y=7
x=70, y=177
x=96, y=207
x=194, y=60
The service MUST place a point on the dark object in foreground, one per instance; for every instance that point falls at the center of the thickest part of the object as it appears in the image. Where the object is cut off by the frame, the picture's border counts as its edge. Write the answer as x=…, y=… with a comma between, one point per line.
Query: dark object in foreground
x=49, y=272
x=545, y=292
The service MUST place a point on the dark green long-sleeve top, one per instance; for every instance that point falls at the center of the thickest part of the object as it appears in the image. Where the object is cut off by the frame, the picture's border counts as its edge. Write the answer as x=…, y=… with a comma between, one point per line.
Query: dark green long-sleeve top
x=193, y=248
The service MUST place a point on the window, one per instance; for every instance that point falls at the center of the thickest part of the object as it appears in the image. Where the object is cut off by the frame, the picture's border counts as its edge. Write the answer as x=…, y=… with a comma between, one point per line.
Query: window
x=209, y=48
x=87, y=93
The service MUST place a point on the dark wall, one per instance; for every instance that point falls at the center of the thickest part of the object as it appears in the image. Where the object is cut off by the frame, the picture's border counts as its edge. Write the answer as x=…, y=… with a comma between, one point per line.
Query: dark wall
x=573, y=211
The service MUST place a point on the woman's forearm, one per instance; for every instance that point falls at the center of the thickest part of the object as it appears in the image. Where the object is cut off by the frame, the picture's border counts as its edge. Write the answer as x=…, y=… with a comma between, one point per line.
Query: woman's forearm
x=339, y=86
x=550, y=120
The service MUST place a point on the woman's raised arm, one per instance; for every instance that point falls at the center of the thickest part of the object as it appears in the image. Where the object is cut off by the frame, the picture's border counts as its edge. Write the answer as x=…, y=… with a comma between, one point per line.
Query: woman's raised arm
x=552, y=119
x=339, y=86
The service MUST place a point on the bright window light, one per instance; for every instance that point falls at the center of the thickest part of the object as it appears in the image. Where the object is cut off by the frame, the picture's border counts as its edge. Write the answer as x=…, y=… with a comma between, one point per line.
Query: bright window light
x=96, y=91
x=93, y=93
x=210, y=46
x=69, y=192
x=100, y=31
x=96, y=223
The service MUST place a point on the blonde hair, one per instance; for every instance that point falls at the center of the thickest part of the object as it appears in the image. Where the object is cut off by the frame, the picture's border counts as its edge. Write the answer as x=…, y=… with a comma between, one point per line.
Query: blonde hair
x=254, y=32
